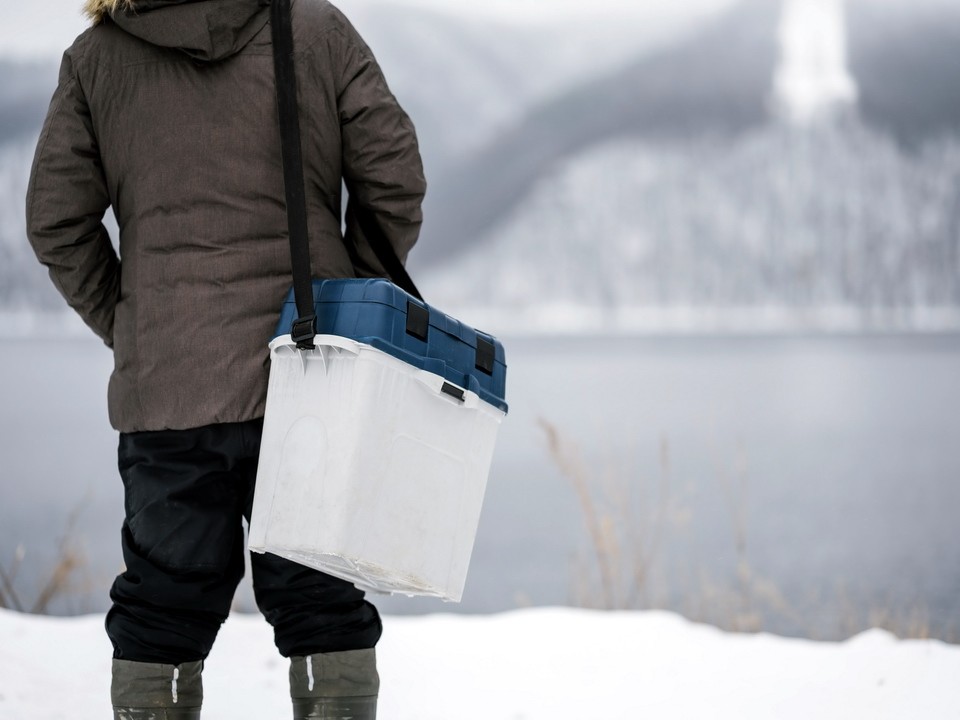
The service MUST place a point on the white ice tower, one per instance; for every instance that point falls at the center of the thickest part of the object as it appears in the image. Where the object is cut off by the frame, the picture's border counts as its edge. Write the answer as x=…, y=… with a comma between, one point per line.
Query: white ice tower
x=812, y=81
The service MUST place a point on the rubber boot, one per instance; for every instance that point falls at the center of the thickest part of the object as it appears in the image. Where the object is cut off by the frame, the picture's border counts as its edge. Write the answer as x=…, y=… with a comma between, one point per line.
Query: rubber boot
x=335, y=686
x=154, y=691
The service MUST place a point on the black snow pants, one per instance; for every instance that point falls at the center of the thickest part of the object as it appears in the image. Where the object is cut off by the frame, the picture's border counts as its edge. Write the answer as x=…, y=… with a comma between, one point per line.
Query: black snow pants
x=186, y=492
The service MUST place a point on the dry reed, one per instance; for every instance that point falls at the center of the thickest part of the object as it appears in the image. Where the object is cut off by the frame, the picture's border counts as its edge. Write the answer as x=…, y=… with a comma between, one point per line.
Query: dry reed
x=625, y=539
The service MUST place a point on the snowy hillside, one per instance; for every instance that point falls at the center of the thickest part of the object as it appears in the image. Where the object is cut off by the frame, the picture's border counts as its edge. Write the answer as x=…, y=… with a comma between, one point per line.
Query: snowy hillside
x=640, y=204
x=831, y=228
x=533, y=664
x=715, y=80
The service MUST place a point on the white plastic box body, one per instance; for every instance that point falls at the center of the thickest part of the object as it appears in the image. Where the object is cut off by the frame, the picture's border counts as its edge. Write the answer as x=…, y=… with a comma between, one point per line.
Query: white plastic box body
x=369, y=471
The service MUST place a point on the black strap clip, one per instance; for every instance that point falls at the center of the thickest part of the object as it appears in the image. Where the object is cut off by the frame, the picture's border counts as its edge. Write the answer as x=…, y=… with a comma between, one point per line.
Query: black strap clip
x=303, y=331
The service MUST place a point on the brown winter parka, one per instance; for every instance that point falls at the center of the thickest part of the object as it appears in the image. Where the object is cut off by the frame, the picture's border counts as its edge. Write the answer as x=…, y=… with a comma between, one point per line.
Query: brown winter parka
x=167, y=112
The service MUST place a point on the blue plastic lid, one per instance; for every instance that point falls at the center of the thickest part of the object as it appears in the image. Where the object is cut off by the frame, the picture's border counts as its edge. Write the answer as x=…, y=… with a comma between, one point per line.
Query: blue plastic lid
x=377, y=312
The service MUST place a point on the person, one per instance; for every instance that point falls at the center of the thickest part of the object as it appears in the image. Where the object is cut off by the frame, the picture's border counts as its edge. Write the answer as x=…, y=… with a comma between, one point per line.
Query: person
x=166, y=111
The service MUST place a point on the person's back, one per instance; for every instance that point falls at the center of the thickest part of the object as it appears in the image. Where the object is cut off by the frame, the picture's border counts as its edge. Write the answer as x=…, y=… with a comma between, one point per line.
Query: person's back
x=178, y=101
x=166, y=111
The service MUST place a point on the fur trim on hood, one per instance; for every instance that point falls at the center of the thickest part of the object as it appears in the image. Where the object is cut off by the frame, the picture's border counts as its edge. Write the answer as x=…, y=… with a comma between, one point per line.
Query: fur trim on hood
x=96, y=9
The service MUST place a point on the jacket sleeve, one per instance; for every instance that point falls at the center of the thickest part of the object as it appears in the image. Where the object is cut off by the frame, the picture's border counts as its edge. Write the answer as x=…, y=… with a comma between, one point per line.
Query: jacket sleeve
x=382, y=168
x=66, y=200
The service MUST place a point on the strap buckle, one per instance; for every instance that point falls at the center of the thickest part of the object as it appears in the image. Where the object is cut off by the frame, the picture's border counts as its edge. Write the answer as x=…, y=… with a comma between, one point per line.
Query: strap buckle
x=303, y=331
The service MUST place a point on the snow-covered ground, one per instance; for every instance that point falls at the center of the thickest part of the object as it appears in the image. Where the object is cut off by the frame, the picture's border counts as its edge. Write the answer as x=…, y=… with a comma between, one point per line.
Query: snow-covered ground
x=538, y=664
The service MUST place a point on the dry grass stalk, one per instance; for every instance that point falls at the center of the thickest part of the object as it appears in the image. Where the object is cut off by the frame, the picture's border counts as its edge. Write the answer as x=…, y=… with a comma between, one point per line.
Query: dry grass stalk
x=622, y=556
x=8, y=595
x=571, y=465
x=68, y=560
x=625, y=541
x=622, y=544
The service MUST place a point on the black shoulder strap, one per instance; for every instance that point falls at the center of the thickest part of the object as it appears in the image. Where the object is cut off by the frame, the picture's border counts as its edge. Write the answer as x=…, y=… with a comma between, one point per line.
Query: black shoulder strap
x=382, y=248
x=305, y=327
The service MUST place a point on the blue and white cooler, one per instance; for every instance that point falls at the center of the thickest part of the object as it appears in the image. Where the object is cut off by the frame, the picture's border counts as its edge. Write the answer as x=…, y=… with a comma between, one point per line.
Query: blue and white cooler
x=377, y=444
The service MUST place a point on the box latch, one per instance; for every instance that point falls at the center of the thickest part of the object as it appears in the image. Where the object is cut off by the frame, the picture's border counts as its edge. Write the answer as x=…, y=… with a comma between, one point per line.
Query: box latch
x=486, y=354
x=453, y=391
x=418, y=320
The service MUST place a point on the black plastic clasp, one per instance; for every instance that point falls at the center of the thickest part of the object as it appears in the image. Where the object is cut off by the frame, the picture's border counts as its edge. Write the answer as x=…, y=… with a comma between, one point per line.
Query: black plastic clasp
x=303, y=331
x=453, y=391
x=418, y=320
x=486, y=355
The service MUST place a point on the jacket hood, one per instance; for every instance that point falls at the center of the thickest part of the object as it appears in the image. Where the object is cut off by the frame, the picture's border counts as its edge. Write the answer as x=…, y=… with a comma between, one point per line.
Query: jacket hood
x=206, y=30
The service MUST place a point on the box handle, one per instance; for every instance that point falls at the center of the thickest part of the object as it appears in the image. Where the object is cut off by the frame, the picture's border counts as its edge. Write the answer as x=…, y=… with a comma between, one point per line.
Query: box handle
x=439, y=386
x=338, y=342
x=286, y=344
x=453, y=391
x=323, y=345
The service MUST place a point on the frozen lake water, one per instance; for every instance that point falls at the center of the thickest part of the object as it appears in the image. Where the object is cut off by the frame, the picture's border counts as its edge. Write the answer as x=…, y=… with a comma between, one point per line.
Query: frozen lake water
x=806, y=484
